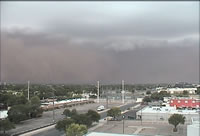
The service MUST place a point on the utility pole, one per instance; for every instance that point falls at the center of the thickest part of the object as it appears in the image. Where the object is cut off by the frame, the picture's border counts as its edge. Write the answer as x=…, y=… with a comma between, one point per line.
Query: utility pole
x=123, y=91
x=107, y=100
x=123, y=117
x=28, y=89
x=141, y=116
x=53, y=106
x=97, y=91
x=53, y=102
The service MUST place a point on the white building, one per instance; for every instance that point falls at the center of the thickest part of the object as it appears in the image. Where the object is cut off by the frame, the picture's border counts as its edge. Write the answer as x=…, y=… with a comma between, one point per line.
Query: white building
x=139, y=99
x=157, y=113
x=178, y=90
x=194, y=128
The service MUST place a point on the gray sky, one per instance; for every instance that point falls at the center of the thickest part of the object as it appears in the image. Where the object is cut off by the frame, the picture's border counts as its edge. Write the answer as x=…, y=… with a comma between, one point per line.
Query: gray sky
x=82, y=42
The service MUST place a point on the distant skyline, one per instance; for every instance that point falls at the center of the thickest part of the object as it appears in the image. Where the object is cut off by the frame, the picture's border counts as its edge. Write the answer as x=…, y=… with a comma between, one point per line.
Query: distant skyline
x=82, y=42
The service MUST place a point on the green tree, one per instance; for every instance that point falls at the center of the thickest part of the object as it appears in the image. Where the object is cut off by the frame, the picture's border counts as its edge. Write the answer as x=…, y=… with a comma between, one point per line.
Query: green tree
x=35, y=110
x=18, y=113
x=147, y=99
x=114, y=112
x=35, y=101
x=67, y=113
x=198, y=90
x=148, y=92
x=82, y=119
x=63, y=124
x=185, y=92
x=175, y=120
x=93, y=115
x=6, y=125
x=159, y=96
x=76, y=130
x=133, y=91
x=73, y=112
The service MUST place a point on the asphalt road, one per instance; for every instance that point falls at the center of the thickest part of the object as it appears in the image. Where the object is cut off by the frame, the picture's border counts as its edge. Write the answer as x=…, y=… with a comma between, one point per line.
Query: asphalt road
x=47, y=117
x=54, y=132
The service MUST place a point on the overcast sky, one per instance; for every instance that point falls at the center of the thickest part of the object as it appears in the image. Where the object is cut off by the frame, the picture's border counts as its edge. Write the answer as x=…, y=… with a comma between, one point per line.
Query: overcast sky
x=82, y=42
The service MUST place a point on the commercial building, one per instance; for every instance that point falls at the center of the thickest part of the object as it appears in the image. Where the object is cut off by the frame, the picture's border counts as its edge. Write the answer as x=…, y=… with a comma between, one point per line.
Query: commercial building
x=184, y=103
x=194, y=128
x=177, y=90
x=157, y=113
x=139, y=99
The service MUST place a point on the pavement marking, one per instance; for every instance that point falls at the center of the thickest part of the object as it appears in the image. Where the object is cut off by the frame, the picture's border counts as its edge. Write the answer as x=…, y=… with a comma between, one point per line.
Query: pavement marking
x=140, y=128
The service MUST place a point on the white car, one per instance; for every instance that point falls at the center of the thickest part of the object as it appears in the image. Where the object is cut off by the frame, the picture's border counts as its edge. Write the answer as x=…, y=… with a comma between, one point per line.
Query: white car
x=101, y=108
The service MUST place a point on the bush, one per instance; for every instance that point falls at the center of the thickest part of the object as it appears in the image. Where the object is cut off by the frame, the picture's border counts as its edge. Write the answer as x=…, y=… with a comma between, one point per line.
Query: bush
x=76, y=130
x=82, y=119
x=18, y=113
x=93, y=115
x=63, y=124
x=67, y=113
x=114, y=112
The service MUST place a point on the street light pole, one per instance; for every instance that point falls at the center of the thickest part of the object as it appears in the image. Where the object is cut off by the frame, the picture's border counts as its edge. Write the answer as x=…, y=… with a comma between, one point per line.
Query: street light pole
x=53, y=102
x=107, y=100
x=53, y=106
x=141, y=115
x=28, y=89
x=97, y=91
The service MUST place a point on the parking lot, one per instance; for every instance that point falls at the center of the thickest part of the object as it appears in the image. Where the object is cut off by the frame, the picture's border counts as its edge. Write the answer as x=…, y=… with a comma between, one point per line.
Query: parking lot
x=144, y=128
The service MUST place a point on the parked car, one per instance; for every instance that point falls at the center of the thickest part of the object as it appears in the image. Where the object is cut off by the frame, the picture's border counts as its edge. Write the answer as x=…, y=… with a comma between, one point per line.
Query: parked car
x=101, y=108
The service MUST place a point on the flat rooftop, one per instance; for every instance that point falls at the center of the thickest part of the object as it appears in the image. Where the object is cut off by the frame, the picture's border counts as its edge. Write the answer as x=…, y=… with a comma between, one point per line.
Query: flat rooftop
x=195, y=120
x=169, y=110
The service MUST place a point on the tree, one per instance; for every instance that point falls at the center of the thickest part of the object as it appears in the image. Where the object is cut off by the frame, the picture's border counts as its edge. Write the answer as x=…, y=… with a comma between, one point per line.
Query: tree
x=198, y=90
x=159, y=96
x=35, y=109
x=114, y=112
x=132, y=91
x=6, y=125
x=148, y=92
x=175, y=120
x=21, y=99
x=18, y=113
x=35, y=101
x=147, y=99
x=73, y=112
x=76, y=130
x=63, y=124
x=82, y=119
x=93, y=115
x=67, y=113
x=185, y=92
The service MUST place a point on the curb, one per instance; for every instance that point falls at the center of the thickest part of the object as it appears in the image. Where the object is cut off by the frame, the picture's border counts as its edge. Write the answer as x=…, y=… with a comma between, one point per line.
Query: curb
x=29, y=130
